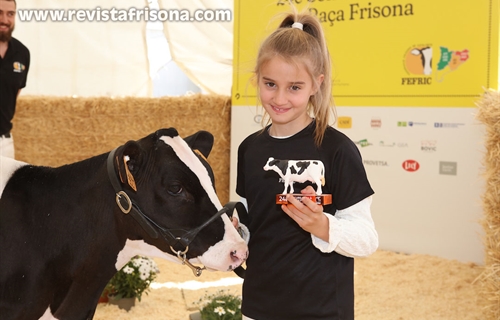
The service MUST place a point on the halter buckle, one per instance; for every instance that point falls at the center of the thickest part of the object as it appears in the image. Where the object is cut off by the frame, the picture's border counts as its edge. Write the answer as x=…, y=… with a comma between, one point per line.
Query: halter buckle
x=122, y=195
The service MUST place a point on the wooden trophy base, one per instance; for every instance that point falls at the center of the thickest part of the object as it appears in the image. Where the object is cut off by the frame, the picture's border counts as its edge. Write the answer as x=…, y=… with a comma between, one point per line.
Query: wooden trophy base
x=323, y=199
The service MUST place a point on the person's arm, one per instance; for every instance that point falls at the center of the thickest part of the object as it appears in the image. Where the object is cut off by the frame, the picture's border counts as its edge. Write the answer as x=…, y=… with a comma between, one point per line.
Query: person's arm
x=351, y=231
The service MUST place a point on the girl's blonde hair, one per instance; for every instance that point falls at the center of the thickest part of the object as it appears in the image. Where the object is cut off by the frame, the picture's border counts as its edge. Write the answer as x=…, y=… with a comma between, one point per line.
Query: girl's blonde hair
x=307, y=47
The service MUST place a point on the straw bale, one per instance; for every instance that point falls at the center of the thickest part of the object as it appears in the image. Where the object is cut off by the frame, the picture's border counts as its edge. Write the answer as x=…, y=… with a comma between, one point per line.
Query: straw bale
x=53, y=131
x=489, y=114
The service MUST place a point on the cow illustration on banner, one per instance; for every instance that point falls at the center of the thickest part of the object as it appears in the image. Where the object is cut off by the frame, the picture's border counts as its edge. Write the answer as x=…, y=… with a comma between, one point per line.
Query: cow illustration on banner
x=419, y=62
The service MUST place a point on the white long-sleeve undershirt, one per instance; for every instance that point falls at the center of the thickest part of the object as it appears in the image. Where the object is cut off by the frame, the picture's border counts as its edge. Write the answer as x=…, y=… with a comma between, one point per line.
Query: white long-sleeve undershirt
x=352, y=231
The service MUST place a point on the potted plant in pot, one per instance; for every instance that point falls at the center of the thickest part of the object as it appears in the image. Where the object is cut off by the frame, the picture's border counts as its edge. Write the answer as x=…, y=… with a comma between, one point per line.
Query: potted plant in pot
x=130, y=282
x=221, y=305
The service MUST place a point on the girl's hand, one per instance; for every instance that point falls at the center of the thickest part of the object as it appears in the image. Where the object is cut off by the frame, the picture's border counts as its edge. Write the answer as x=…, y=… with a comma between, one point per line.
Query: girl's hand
x=308, y=215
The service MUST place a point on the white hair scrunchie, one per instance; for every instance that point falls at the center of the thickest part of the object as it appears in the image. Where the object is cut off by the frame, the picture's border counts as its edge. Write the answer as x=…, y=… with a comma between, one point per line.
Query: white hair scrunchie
x=298, y=25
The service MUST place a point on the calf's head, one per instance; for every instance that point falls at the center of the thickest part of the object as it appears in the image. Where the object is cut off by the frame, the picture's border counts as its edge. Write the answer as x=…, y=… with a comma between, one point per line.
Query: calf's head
x=172, y=198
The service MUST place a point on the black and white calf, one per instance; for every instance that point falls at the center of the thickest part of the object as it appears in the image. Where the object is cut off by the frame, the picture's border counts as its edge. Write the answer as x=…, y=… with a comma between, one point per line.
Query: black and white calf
x=298, y=171
x=65, y=231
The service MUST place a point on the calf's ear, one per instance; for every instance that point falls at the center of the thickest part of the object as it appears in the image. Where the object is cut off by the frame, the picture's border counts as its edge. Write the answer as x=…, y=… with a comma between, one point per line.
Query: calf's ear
x=128, y=160
x=202, y=141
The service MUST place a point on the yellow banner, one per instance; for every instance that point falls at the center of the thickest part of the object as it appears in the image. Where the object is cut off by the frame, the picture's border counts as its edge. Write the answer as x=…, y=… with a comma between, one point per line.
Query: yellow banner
x=424, y=53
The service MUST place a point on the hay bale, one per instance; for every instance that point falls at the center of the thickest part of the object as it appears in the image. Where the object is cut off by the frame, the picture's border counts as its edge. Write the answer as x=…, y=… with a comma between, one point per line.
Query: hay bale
x=489, y=115
x=52, y=131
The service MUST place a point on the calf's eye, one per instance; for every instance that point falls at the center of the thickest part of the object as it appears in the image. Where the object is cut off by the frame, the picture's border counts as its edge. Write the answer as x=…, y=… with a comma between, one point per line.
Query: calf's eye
x=174, y=189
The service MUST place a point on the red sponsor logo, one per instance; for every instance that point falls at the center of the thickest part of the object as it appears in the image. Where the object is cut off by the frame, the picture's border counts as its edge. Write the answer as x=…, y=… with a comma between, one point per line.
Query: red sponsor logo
x=376, y=123
x=411, y=165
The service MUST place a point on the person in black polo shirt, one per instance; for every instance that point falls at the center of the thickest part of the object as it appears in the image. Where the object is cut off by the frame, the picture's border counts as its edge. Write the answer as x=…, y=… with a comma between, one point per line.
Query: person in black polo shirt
x=14, y=65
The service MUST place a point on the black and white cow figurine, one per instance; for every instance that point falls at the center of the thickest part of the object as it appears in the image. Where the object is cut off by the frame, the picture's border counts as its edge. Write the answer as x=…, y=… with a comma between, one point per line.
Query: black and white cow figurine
x=292, y=171
x=64, y=232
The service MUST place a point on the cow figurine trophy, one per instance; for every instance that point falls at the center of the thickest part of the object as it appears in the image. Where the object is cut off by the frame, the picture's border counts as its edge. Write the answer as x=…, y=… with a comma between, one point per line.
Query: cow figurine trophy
x=300, y=171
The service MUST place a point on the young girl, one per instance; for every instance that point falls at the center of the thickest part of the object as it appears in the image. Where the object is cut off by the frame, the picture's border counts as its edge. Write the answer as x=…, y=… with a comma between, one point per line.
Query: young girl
x=301, y=262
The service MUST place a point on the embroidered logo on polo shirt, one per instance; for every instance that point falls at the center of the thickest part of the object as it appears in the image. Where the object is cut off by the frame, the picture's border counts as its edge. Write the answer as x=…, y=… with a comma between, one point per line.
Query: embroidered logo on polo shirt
x=19, y=67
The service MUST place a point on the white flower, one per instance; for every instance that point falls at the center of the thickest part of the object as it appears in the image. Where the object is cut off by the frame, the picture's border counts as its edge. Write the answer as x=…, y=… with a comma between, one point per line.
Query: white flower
x=150, y=265
x=220, y=311
x=204, y=303
x=231, y=311
x=128, y=270
x=136, y=263
x=145, y=270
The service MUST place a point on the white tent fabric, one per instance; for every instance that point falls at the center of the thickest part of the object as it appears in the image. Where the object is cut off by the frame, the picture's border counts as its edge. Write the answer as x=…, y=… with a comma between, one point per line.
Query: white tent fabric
x=85, y=58
x=168, y=79
x=203, y=50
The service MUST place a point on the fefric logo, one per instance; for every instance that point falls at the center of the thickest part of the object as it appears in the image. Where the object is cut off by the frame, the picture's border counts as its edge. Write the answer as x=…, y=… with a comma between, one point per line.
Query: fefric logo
x=18, y=67
x=411, y=165
x=344, y=122
x=449, y=61
x=418, y=62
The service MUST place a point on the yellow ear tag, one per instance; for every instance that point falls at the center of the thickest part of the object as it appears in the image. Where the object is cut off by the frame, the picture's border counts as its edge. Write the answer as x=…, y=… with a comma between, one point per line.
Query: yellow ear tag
x=130, y=177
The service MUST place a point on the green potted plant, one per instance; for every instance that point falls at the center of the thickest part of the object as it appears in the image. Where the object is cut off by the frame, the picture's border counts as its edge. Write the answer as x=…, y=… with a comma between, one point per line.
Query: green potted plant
x=221, y=305
x=130, y=282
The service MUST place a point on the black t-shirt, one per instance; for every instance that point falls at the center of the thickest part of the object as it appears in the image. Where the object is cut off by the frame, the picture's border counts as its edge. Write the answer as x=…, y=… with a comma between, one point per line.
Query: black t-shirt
x=287, y=277
x=14, y=68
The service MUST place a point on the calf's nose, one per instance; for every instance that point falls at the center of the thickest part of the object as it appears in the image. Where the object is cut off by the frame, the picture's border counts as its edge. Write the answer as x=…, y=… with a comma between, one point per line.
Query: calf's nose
x=238, y=256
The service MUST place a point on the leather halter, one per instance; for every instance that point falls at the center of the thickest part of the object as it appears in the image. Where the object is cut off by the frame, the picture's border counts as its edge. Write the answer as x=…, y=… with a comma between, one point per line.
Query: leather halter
x=173, y=237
